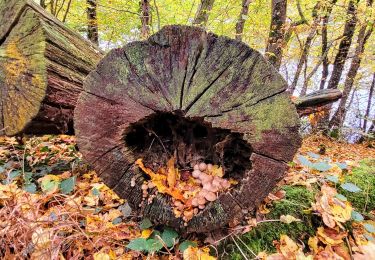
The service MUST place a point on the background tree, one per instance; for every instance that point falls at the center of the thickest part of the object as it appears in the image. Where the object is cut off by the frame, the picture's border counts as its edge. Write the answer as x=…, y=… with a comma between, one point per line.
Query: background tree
x=145, y=18
x=274, y=49
x=92, y=22
x=203, y=11
x=242, y=19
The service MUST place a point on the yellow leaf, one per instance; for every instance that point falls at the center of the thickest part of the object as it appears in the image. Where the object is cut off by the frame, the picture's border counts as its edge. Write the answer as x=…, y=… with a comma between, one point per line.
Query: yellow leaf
x=288, y=248
x=172, y=173
x=288, y=219
x=41, y=237
x=101, y=256
x=146, y=233
x=313, y=244
x=194, y=253
x=217, y=171
x=330, y=236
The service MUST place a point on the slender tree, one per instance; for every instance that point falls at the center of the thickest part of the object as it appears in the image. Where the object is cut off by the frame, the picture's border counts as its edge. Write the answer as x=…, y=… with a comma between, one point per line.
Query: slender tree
x=344, y=45
x=369, y=101
x=203, y=11
x=274, y=48
x=145, y=18
x=363, y=36
x=92, y=21
x=306, y=48
x=325, y=18
x=242, y=19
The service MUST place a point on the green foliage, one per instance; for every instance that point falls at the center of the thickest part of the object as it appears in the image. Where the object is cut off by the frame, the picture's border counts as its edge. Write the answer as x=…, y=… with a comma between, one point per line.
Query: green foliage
x=145, y=224
x=184, y=245
x=364, y=178
x=67, y=186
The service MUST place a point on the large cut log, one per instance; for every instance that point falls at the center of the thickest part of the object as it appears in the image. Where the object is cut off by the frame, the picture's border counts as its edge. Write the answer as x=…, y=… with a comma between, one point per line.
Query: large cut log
x=197, y=96
x=42, y=67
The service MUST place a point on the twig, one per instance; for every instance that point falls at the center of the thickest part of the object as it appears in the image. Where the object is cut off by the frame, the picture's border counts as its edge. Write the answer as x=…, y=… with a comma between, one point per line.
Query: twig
x=247, y=247
x=160, y=141
x=239, y=248
x=350, y=248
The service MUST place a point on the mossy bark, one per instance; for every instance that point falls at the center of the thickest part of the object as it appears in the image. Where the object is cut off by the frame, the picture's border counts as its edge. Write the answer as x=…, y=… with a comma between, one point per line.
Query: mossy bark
x=42, y=67
x=188, y=74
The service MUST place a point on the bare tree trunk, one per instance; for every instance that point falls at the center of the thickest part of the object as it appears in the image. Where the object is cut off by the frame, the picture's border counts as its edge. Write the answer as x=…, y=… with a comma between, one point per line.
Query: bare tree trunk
x=369, y=103
x=43, y=4
x=201, y=16
x=325, y=43
x=66, y=11
x=338, y=117
x=92, y=22
x=345, y=43
x=274, y=49
x=242, y=19
x=306, y=49
x=145, y=18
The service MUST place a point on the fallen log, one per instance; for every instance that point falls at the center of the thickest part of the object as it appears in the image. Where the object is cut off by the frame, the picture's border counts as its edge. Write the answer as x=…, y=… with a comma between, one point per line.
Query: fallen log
x=42, y=67
x=316, y=101
x=197, y=97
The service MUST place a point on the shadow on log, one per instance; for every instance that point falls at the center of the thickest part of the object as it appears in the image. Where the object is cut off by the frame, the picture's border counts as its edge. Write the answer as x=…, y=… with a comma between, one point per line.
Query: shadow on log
x=195, y=95
x=42, y=67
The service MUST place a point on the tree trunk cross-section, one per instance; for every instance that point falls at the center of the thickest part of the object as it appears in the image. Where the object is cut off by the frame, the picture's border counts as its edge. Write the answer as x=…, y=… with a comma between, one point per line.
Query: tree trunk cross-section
x=195, y=94
x=42, y=67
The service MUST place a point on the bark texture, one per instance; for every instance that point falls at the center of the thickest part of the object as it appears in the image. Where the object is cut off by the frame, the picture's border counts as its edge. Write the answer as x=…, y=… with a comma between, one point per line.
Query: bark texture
x=197, y=94
x=363, y=35
x=92, y=22
x=42, y=67
x=203, y=11
x=145, y=18
x=342, y=54
x=369, y=101
x=274, y=49
x=242, y=19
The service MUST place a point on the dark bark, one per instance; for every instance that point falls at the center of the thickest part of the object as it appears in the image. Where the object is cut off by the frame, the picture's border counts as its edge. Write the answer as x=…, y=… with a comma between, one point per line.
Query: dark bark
x=204, y=96
x=42, y=66
x=344, y=46
x=325, y=62
x=363, y=35
x=242, y=19
x=274, y=48
x=92, y=21
x=145, y=18
x=369, y=101
x=203, y=11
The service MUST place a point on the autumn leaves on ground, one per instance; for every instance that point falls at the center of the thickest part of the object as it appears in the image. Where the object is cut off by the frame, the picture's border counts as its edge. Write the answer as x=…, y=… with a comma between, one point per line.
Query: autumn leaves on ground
x=52, y=206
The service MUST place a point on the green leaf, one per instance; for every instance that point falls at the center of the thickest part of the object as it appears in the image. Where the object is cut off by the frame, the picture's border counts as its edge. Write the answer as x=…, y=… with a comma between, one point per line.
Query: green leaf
x=138, y=244
x=313, y=155
x=304, y=161
x=145, y=224
x=13, y=175
x=27, y=177
x=184, y=245
x=350, y=187
x=44, y=149
x=67, y=186
x=356, y=216
x=369, y=228
x=153, y=245
x=116, y=221
x=31, y=188
x=342, y=166
x=368, y=237
x=95, y=192
x=332, y=178
x=321, y=166
x=169, y=237
x=341, y=197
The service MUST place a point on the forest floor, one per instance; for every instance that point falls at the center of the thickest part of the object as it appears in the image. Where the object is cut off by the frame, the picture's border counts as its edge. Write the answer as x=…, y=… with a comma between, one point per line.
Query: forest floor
x=52, y=206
